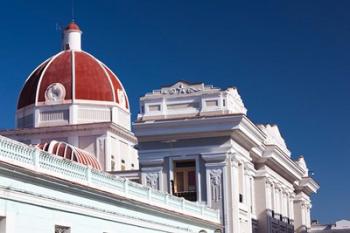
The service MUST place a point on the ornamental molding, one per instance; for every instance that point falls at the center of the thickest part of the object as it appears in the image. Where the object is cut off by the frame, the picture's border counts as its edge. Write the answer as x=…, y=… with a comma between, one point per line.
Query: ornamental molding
x=152, y=180
x=101, y=145
x=214, y=156
x=235, y=158
x=180, y=89
x=55, y=93
x=215, y=184
x=62, y=229
x=121, y=98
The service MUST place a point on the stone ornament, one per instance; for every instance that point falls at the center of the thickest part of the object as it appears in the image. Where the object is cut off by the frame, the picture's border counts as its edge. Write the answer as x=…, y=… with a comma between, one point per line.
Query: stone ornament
x=152, y=180
x=62, y=229
x=101, y=143
x=180, y=89
x=55, y=92
x=121, y=97
x=215, y=184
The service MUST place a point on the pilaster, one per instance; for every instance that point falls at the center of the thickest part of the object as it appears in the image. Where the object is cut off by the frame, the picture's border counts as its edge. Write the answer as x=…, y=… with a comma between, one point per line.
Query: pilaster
x=233, y=163
x=152, y=177
x=218, y=187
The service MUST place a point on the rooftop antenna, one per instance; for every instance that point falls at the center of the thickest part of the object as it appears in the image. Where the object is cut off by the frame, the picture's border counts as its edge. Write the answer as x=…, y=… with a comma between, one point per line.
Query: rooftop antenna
x=73, y=18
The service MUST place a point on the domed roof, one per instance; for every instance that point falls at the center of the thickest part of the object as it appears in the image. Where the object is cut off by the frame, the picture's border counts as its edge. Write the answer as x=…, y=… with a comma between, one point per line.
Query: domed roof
x=72, y=26
x=70, y=152
x=72, y=75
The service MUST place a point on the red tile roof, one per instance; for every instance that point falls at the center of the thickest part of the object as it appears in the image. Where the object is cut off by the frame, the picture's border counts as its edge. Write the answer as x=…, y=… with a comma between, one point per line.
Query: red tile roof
x=82, y=76
x=70, y=152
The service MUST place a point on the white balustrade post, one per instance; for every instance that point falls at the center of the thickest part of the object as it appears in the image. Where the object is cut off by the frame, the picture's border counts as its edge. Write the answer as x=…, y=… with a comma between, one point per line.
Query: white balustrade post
x=36, y=157
x=126, y=186
x=149, y=193
x=88, y=175
x=166, y=199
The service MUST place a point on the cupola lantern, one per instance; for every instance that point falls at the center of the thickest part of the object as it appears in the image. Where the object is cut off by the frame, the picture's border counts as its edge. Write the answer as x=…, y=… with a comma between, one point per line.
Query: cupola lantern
x=72, y=37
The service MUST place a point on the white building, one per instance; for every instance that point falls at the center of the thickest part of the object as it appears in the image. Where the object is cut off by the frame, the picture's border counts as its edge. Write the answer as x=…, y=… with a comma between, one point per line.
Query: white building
x=72, y=97
x=195, y=142
x=43, y=193
x=341, y=226
x=75, y=112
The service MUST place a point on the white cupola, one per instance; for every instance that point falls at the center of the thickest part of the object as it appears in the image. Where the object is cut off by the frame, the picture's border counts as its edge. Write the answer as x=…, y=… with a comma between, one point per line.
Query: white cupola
x=72, y=37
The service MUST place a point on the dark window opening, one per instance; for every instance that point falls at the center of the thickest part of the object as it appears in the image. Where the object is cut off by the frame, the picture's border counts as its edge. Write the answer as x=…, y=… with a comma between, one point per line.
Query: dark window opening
x=184, y=184
x=240, y=198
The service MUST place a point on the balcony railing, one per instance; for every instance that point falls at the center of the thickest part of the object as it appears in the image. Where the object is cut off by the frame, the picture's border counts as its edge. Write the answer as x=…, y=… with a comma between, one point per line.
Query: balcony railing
x=276, y=224
x=189, y=195
x=19, y=154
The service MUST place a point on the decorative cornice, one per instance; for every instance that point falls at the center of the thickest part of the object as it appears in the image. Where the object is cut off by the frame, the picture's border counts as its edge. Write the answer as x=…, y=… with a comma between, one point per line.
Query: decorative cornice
x=114, y=128
x=307, y=185
x=214, y=156
x=280, y=162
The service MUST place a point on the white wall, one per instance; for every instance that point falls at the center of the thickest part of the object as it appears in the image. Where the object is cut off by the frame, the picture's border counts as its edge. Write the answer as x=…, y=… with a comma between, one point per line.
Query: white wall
x=37, y=206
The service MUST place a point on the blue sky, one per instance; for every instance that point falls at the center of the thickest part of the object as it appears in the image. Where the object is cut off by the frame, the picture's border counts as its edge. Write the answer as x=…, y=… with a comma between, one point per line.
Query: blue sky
x=290, y=61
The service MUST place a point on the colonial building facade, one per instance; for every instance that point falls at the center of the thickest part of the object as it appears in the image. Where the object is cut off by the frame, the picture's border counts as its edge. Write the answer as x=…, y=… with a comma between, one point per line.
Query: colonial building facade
x=196, y=142
x=203, y=165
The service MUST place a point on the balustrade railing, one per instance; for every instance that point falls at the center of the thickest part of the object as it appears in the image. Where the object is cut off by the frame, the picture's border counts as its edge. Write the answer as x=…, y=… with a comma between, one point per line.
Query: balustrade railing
x=19, y=154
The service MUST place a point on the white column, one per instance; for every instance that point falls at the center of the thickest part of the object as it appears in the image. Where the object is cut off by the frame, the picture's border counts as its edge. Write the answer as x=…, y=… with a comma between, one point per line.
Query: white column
x=275, y=200
x=306, y=215
x=73, y=114
x=309, y=216
x=36, y=118
x=279, y=201
x=108, y=154
x=235, y=195
x=288, y=205
x=303, y=216
x=218, y=191
x=252, y=185
x=285, y=205
x=248, y=195
x=246, y=186
x=198, y=180
x=291, y=205
x=115, y=115
x=247, y=200
x=241, y=181
x=226, y=209
x=269, y=195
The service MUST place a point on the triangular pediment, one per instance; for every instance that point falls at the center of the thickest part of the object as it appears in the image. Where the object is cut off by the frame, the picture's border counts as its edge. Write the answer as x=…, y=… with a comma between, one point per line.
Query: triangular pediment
x=181, y=88
x=184, y=87
x=274, y=136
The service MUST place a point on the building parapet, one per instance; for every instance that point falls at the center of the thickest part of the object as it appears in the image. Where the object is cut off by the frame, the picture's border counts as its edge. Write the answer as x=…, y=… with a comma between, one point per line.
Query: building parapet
x=28, y=157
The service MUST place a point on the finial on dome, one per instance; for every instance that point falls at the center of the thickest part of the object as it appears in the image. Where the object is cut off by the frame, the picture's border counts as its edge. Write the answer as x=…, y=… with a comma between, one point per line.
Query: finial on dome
x=72, y=37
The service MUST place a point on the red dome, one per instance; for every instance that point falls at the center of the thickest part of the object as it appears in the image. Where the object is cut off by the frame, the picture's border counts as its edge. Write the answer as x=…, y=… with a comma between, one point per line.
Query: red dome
x=70, y=152
x=76, y=73
x=72, y=26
